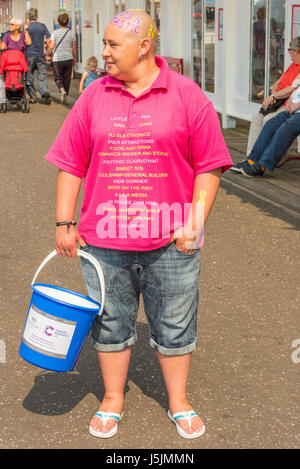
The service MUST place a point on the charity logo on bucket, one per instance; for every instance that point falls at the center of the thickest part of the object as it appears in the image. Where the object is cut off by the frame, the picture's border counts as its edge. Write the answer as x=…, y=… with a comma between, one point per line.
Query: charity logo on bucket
x=48, y=334
x=48, y=330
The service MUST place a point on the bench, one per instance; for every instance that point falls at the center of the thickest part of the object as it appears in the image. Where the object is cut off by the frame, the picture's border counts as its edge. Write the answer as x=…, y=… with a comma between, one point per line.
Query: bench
x=175, y=64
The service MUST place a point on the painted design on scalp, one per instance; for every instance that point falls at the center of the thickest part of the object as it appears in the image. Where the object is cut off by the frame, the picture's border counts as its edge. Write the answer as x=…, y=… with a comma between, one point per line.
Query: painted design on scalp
x=127, y=21
x=130, y=21
x=152, y=31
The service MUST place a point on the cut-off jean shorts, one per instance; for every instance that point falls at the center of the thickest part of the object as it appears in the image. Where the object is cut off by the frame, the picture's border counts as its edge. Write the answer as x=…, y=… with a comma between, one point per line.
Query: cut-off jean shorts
x=168, y=280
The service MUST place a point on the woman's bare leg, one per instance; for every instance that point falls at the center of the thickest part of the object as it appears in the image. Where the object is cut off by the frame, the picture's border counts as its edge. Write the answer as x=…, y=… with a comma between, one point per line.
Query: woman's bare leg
x=175, y=370
x=114, y=367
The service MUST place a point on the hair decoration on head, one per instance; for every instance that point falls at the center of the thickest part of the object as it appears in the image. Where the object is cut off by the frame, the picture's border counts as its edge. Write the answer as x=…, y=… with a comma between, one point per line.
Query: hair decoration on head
x=127, y=21
x=152, y=32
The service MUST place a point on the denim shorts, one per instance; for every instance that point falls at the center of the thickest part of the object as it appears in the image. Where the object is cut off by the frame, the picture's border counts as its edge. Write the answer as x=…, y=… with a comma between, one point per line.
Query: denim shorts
x=168, y=280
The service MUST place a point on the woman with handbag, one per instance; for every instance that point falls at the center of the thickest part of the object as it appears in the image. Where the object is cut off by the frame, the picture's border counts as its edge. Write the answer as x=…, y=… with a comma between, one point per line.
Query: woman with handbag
x=63, y=50
x=273, y=104
x=275, y=138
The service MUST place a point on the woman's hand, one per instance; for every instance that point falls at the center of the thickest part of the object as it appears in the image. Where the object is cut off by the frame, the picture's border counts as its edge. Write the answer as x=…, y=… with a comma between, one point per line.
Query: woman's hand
x=66, y=240
x=183, y=240
x=291, y=107
x=269, y=100
x=26, y=26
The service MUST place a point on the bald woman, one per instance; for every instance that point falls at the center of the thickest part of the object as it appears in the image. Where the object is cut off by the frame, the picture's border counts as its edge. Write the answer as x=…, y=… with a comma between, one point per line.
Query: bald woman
x=145, y=140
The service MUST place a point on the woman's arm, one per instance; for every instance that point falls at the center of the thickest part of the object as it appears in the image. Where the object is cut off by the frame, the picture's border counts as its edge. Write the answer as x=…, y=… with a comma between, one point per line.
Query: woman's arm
x=4, y=43
x=49, y=49
x=67, y=191
x=28, y=40
x=284, y=93
x=275, y=86
x=205, y=191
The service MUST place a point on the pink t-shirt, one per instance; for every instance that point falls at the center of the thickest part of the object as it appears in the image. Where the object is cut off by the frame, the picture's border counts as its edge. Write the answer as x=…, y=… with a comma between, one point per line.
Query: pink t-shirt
x=139, y=157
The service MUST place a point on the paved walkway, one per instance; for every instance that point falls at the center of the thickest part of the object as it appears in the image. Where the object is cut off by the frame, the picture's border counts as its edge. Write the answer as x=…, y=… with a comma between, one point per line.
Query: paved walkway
x=243, y=379
x=280, y=189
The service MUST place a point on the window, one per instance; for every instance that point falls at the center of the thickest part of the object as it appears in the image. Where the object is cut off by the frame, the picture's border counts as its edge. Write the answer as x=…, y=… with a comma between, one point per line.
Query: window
x=5, y=16
x=153, y=9
x=120, y=5
x=197, y=41
x=267, y=46
x=62, y=5
x=204, y=33
x=277, y=42
x=78, y=29
x=258, y=48
x=209, y=44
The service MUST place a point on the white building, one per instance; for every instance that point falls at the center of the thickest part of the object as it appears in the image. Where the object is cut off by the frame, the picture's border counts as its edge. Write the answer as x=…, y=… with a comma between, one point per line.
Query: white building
x=234, y=49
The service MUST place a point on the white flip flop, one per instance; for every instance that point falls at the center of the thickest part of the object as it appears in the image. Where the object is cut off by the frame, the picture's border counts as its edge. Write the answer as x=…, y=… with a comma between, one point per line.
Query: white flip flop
x=105, y=416
x=187, y=416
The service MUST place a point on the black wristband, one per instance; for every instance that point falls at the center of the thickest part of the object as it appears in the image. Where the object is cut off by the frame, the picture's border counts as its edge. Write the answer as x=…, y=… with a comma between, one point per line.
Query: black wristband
x=67, y=223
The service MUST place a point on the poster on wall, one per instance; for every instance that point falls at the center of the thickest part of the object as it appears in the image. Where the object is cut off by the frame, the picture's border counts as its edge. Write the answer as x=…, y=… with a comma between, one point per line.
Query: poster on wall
x=295, y=21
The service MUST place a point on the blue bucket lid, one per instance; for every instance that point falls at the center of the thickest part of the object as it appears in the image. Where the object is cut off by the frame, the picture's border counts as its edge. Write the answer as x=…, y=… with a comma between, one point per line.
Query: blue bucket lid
x=62, y=295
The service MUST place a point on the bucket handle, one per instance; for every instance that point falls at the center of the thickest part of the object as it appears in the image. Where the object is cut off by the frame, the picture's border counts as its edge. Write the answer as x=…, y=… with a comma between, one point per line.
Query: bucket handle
x=87, y=256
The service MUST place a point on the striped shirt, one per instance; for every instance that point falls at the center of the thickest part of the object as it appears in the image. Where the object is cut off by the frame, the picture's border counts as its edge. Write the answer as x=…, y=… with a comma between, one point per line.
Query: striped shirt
x=64, y=51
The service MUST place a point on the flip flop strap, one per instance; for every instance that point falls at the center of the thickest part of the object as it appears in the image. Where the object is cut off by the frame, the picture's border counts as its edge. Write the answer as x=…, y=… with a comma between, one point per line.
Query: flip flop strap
x=105, y=416
x=185, y=415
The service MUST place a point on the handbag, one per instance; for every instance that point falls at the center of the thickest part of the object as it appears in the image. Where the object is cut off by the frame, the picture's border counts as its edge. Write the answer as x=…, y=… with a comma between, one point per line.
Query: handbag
x=49, y=55
x=272, y=107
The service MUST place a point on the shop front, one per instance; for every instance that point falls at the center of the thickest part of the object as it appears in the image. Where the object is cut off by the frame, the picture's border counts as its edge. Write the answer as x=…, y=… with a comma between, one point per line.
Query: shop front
x=235, y=50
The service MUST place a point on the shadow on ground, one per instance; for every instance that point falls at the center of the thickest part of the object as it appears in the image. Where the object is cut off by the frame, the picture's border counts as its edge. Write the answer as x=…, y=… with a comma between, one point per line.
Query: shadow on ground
x=58, y=393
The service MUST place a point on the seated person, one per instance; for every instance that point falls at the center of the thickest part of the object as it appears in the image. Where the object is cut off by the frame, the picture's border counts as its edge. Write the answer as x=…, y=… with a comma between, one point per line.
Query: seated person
x=274, y=140
x=281, y=89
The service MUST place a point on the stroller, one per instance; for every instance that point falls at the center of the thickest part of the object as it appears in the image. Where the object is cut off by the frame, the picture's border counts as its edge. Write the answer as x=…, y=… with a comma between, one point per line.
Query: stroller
x=13, y=69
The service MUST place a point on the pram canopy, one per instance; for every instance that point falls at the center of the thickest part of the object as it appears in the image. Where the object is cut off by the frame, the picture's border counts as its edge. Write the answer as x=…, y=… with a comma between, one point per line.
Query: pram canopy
x=13, y=67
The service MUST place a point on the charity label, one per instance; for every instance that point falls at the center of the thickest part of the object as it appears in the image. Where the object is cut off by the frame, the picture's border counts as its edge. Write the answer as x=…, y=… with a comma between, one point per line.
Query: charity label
x=48, y=334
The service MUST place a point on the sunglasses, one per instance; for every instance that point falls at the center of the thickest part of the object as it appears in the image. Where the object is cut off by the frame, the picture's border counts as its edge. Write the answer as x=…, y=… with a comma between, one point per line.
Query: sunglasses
x=291, y=49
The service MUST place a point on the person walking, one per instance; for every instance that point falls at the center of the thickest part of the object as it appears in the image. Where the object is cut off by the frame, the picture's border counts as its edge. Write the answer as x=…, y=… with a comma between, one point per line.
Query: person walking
x=36, y=58
x=156, y=136
x=63, y=47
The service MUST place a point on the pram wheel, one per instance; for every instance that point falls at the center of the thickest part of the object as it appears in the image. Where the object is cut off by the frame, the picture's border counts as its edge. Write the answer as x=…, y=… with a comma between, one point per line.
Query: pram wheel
x=25, y=105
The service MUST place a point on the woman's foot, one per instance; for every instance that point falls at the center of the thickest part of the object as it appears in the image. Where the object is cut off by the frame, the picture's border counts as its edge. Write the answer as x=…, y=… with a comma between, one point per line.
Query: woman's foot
x=189, y=426
x=108, y=405
x=63, y=95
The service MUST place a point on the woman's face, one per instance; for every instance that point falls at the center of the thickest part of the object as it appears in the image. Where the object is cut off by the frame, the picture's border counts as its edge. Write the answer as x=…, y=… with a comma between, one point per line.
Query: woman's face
x=121, y=52
x=13, y=27
x=295, y=55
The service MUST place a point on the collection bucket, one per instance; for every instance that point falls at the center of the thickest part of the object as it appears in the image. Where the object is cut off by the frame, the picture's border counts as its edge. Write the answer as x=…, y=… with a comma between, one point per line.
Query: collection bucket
x=58, y=322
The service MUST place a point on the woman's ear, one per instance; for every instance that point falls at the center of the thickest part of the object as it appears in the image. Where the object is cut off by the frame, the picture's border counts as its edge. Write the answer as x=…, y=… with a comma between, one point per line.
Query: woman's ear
x=145, y=46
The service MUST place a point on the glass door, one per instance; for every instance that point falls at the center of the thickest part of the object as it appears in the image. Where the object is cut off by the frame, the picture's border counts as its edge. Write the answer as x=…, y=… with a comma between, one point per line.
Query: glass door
x=153, y=9
x=267, y=46
x=203, y=43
